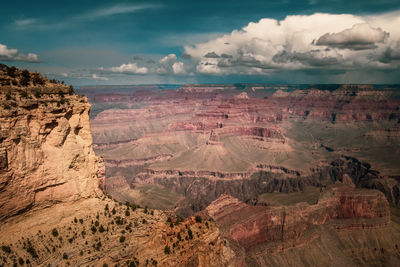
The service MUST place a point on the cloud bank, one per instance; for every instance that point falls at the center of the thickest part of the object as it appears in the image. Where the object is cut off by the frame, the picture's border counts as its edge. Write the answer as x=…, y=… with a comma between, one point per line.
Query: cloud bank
x=318, y=41
x=353, y=48
x=8, y=54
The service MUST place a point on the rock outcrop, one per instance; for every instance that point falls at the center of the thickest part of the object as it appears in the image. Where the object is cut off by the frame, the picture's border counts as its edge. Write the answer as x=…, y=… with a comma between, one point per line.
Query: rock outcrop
x=264, y=231
x=46, y=148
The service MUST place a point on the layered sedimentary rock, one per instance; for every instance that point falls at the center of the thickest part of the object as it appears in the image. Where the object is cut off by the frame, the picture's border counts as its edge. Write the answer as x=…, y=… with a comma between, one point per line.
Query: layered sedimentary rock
x=46, y=148
x=266, y=232
x=246, y=140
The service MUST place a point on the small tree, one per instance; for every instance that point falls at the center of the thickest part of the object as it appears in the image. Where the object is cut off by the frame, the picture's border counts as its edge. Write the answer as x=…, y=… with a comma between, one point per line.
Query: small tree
x=11, y=71
x=26, y=78
x=6, y=249
x=37, y=80
x=54, y=232
x=198, y=219
x=167, y=249
x=190, y=233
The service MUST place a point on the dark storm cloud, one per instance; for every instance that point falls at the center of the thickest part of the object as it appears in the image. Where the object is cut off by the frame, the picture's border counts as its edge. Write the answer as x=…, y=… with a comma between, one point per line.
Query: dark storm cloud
x=307, y=58
x=225, y=56
x=390, y=55
x=186, y=56
x=211, y=55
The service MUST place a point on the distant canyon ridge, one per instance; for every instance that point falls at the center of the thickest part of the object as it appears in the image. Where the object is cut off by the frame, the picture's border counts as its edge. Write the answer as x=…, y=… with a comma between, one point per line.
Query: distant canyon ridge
x=180, y=147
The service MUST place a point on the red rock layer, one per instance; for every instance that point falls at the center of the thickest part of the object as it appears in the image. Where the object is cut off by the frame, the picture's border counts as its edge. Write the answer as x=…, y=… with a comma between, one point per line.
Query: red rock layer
x=341, y=206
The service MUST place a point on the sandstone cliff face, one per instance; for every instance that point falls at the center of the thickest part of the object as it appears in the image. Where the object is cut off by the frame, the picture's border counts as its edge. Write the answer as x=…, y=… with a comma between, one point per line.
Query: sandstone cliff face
x=46, y=154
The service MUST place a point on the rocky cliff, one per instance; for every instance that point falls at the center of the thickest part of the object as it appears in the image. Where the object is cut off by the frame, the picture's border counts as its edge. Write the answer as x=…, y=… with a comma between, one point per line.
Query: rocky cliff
x=46, y=154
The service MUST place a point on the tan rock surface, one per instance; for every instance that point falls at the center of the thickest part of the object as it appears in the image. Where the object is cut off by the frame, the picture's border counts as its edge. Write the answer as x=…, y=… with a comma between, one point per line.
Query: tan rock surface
x=47, y=154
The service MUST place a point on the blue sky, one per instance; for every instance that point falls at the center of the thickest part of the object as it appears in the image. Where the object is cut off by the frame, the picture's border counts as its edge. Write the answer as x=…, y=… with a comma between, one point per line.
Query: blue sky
x=130, y=42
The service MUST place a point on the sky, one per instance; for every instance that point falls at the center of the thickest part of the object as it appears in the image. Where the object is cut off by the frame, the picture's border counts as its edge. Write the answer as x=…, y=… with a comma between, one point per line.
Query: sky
x=154, y=41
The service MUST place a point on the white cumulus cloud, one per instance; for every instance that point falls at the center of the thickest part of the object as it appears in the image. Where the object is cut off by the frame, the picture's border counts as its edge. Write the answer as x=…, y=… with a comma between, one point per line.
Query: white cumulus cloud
x=129, y=68
x=360, y=36
x=8, y=54
x=170, y=65
x=301, y=42
x=96, y=77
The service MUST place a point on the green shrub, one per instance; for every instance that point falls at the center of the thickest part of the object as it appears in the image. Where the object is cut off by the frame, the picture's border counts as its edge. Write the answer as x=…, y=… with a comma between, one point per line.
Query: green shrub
x=167, y=249
x=6, y=249
x=54, y=232
x=190, y=233
x=37, y=80
x=11, y=71
x=198, y=219
x=122, y=239
x=24, y=81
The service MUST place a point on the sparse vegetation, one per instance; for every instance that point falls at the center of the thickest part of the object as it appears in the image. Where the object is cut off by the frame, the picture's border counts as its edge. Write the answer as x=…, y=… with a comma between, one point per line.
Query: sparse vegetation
x=198, y=219
x=6, y=249
x=11, y=71
x=167, y=249
x=37, y=79
x=54, y=232
x=190, y=233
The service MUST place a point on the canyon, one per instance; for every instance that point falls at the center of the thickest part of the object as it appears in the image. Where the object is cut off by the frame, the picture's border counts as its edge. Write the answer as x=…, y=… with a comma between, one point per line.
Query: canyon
x=53, y=210
x=246, y=139
x=287, y=172
x=198, y=175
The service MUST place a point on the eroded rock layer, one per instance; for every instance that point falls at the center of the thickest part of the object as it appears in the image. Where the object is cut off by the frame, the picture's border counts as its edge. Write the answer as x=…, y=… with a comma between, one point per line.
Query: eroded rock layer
x=46, y=148
x=246, y=140
x=266, y=233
